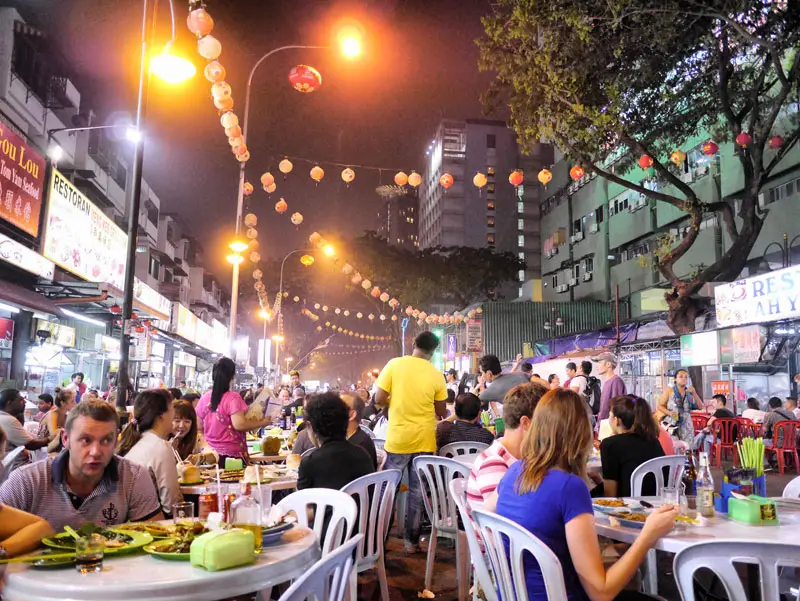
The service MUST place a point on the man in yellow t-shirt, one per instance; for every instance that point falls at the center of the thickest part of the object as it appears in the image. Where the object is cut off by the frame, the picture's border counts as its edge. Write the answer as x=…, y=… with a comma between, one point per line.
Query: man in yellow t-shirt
x=416, y=393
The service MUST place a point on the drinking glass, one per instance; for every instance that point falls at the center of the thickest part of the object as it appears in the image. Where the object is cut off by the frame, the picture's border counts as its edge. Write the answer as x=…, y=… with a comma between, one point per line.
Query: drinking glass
x=89, y=553
x=670, y=495
x=689, y=506
x=182, y=511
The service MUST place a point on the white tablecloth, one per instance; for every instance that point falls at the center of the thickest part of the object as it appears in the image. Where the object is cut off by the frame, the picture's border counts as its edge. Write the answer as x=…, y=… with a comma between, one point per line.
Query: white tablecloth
x=142, y=577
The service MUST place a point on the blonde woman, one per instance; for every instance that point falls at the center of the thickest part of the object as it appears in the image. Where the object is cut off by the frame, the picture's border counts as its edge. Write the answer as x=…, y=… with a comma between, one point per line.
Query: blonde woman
x=545, y=492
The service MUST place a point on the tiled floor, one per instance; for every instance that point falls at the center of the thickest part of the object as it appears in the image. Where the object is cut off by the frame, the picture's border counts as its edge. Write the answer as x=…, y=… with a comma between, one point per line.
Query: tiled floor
x=407, y=573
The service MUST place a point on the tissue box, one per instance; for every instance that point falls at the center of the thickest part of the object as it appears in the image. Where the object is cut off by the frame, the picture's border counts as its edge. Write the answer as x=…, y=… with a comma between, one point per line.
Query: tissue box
x=755, y=510
x=222, y=550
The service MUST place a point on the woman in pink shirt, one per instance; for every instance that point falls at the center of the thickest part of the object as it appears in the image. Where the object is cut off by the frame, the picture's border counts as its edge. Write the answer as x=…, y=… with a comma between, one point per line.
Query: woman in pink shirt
x=221, y=415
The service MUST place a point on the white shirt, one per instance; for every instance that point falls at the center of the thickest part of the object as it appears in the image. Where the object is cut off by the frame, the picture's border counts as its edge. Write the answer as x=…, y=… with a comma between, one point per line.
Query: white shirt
x=156, y=453
x=579, y=382
x=754, y=414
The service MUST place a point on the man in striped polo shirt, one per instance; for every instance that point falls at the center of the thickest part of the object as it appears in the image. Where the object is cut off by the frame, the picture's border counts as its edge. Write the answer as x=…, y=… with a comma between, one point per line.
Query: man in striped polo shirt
x=493, y=463
x=86, y=482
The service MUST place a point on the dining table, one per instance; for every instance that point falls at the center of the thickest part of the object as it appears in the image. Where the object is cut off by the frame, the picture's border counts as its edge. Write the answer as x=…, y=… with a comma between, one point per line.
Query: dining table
x=139, y=577
x=685, y=535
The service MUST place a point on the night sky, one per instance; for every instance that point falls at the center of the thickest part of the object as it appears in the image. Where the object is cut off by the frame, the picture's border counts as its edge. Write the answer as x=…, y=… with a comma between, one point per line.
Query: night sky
x=419, y=64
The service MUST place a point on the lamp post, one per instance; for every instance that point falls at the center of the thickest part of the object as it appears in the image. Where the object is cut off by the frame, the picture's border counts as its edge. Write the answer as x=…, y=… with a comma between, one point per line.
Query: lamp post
x=558, y=322
x=351, y=47
x=277, y=339
x=328, y=251
x=172, y=74
x=267, y=317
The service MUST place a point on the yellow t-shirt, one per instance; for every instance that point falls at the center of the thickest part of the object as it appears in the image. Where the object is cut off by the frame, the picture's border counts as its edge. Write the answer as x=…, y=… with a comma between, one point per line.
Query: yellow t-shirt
x=413, y=385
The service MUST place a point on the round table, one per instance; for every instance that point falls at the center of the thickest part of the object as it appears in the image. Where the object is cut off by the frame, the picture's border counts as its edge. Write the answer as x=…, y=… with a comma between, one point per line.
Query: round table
x=716, y=528
x=142, y=577
x=287, y=483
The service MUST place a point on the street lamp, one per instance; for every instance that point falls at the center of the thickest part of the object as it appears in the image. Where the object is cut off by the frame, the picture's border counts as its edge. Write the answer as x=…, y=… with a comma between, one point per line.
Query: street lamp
x=277, y=339
x=328, y=250
x=350, y=45
x=267, y=317
x=170, y=72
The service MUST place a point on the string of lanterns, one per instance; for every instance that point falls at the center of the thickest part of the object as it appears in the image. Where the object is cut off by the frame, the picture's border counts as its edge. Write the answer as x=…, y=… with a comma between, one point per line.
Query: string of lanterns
x=342, y=312
x=358, y=352
x=340, y=330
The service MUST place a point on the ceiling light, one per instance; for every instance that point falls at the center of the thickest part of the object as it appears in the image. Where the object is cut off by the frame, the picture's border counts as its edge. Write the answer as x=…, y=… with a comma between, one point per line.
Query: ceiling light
x=73, y=315
x=9, y=308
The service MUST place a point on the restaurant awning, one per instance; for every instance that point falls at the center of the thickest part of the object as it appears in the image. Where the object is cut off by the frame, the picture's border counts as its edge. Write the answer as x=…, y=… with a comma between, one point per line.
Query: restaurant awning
x=27, y=299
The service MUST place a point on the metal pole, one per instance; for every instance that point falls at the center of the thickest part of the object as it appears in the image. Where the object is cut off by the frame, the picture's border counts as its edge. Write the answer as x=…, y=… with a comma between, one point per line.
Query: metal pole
x=240, y=190
x=266, y=367
x=133, y=212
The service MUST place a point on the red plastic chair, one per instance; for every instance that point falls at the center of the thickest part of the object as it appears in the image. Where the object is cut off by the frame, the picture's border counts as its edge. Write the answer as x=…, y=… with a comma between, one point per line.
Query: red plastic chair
x=725, y=431
x=786, y=432
x=699, y=421
x=748, y=428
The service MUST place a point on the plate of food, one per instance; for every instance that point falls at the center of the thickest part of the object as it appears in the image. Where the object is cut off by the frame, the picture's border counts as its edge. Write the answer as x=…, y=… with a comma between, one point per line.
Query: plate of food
x=117, y=539
x=177, y=547
x=155, y=530
x=272, y=534
x=630, y=519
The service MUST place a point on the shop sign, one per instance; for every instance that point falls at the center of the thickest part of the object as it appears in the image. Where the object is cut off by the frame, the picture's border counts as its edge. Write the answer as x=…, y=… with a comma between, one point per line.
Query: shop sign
x=23, y=257
x=185, y=322
x=157, y=349
x=6, y=333
x=107, y=344
x=220, y=337
x=140, y=346
x=204, y=335
x=740, y=345
x=185, y=359
x=150, y=300
x=264, y=359
x=699, y=349
x=768, y=297
x=721, y=387
x=60, y=334
x=475, y=335
x=452, y=346
x=22, y=172
x=80, y=238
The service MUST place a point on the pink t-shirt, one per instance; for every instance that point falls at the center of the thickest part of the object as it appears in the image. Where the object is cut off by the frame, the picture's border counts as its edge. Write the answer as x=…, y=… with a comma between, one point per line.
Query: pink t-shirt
x=217, y=427
x=487, y=471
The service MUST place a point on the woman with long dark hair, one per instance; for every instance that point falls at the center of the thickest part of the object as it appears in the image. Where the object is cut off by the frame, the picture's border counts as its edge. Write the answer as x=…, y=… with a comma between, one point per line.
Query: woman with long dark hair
x=145, y=441
x=546, y=494
x=184, y=430
x=222, y=415
x=635, y=441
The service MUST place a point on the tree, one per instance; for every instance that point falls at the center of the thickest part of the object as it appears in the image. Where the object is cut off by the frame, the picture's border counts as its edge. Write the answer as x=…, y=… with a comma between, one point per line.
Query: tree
x=457, y=276
x=637, y=77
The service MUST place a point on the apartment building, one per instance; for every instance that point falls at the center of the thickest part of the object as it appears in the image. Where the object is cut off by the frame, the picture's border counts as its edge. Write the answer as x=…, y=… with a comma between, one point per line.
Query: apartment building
x=597, y=235
x=498, y=216
x=398, y=215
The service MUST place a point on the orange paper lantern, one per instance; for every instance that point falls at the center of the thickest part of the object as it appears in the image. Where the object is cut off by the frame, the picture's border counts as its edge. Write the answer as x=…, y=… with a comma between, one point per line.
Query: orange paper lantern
x=281, y=206
x=305, y=79
x=516, y=178
x=415, y=179
x=576, y=172
x=400, y=178
x=446, y=181
x=545, y=176
x=645, y=161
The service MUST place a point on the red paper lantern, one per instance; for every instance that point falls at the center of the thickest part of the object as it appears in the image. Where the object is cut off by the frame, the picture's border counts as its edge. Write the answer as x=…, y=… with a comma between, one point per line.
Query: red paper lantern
x=516, y=178
x=744, y=139
x=544, y=176
x=645, y=161
x=710, y=148
x=305, y=79
x=576, y=172
x=134, y=315
x=281, y=206
x=200, y=22
x=446, y=181
x=115, y=309
x=775, y=142
x=140, y=329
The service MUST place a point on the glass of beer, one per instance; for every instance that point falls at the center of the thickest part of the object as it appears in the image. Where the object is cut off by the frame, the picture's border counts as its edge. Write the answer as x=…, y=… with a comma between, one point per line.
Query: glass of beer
x=89, y=553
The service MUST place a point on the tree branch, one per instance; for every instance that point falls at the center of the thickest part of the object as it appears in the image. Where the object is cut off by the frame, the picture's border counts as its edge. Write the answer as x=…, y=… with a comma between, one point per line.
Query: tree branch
x=788, y=144
x=724, y=79
x=667, y=262
x=727, y=217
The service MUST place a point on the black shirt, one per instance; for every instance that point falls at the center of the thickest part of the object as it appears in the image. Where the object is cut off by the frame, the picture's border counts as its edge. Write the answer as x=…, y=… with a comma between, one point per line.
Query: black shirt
x=363, y=440
x=333, y=465
x=461, y=431
x=621, y=454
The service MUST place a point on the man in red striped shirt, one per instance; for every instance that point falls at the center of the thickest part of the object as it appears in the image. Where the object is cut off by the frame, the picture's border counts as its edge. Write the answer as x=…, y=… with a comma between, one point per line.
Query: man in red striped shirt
x=492, y=464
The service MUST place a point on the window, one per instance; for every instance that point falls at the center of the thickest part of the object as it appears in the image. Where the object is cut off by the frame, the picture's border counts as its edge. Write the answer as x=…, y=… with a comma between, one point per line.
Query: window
x=521, y=255
x=521, y=275
x=576, y=270
x=521, y=240
x=520, y=207
x=577, y=227
x=588, y=265
x=490, y=205
x=520, y=224
x=153, y=268
x=490, y=221
x=599, y=214
x=490, y=239
x=555, y=281
x=490, y=171
x=168, y=277
x=491, y=141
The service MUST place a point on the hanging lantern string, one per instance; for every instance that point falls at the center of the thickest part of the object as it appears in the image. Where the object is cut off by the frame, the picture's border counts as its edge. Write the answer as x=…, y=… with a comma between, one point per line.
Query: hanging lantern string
x=337, y=311
x=333, y=163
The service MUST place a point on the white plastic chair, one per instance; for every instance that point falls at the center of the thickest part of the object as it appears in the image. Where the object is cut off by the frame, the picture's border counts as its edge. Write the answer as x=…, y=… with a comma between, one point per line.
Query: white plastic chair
x=792, y=490
x=367, y=431
x=435, y=474
x=318, y=502
x=719, y=556
x=374, y=494
x=458, y=490
x=456, y=449
x=328, y=578
x=656, y=467
x=507, y=565
x=379, y=443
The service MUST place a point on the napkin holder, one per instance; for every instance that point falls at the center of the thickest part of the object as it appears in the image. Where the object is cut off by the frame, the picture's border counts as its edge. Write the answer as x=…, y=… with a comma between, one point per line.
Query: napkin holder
x=223, y=549
x=755, y=510
x=721, y=501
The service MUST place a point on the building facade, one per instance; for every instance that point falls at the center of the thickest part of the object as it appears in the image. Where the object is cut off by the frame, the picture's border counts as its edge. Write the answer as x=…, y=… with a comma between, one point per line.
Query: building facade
x=598, y=236
x=398, y=215
x=499, y=216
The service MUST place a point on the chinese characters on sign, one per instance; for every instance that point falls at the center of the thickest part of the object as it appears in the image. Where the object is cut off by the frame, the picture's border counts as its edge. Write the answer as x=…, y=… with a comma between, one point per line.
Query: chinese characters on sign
x=21, y=182
x=475, y=335
x=80, y=238
x=23, y=257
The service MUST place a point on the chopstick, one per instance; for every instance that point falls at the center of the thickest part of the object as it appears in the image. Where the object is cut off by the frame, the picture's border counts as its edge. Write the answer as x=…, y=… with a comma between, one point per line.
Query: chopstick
x=177, y=456
x=29, y=558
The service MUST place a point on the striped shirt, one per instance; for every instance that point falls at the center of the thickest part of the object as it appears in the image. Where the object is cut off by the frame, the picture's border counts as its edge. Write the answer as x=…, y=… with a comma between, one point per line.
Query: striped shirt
x=126, y=493
x=487, y=471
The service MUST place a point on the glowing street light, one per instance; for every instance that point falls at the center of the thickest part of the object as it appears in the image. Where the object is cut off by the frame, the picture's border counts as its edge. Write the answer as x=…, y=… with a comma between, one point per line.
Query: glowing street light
x=238, y=245
x=264, y=314
x=329, y=250
x=235, y=259
x=172, y=68
x=277, y=338
x=351, y=46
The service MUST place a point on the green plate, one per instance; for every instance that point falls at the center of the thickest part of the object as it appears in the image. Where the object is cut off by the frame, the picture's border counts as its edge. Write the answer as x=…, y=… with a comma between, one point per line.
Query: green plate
x=153, y=549
x=65, y=541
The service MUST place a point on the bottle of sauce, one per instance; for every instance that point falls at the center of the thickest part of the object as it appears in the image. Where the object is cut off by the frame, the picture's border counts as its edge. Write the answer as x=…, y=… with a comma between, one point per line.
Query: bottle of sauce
x=208, y=502
x=705, y=488
x=246, y=514
x=689, y=478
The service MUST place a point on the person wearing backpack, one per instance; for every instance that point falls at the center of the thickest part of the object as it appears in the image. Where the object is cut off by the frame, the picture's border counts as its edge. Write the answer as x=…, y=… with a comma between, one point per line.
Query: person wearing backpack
x=587, y=386
x=613, y=385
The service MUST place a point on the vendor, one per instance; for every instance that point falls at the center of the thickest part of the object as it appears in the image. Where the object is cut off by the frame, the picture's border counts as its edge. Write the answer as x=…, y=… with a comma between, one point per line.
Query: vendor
x=85, y=482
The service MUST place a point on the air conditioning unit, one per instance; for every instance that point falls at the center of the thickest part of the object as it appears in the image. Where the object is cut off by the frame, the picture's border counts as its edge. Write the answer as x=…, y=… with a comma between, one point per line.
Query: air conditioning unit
x=561, y=288
x=593, y=228
x=587, y=277
x=573, y=187
x=578, y=236
x=572, y=238
x=573, y=282
x=686, y=177
x=761, y=201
